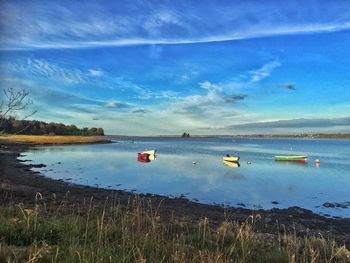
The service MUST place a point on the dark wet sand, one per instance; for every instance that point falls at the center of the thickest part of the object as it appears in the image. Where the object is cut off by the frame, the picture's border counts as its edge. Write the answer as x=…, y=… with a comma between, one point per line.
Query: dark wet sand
x=18, y=183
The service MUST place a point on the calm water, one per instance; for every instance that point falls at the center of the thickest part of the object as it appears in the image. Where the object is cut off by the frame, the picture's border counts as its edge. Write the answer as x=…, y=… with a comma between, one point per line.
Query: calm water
x=255, y=185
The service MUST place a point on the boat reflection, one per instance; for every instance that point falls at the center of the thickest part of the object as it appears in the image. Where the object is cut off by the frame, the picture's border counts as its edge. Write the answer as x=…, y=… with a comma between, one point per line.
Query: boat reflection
x=232, y=164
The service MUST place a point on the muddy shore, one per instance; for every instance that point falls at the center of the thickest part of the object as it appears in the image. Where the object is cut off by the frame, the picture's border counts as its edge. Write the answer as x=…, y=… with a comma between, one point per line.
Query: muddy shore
x=18, y=183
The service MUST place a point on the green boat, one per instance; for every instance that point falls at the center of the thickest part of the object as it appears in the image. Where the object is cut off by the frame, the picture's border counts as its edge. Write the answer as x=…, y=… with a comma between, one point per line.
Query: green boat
x=292, y=158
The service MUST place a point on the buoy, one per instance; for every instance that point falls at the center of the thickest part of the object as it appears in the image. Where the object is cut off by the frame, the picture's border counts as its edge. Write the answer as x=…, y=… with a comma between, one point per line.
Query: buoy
x=317, y=163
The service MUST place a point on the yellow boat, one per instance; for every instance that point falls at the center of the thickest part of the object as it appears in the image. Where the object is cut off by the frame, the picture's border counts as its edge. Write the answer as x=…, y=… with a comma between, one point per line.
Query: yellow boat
x=232, y=164
x=229, y=158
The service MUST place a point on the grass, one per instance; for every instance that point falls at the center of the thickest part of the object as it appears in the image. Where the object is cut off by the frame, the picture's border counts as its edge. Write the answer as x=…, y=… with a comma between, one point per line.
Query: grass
x=53, y=231
x=52, y=139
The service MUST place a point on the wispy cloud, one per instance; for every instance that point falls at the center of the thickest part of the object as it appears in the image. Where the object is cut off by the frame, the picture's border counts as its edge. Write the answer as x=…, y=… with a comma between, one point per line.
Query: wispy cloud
x=139, y=111
x=41, y=69
x=264, y=71
x=211, y=87
x=206, y=106
x=31, y=25
x=234, y=98
x=297, y=123
x=116, y=105
x=290, y=86
x=96, y=72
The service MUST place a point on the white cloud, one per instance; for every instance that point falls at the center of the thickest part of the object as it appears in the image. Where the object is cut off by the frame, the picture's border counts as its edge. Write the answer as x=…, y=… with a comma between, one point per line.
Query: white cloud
x=211, y=87
x=264, y=71
x=95, y=72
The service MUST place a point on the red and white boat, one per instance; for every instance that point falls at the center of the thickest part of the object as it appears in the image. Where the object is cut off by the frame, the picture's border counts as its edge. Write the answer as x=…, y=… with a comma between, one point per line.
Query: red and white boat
x=143, y=157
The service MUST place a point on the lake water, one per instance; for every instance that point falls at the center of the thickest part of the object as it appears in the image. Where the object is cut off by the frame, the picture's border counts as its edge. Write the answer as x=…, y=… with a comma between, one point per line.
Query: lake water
x=260, y=182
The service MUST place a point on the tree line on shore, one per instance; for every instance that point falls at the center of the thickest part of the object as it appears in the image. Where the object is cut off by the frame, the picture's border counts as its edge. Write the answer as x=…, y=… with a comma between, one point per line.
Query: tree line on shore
x=33, y=127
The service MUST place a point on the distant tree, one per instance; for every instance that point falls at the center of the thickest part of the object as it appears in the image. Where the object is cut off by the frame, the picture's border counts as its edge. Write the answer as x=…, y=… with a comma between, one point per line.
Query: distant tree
x=185, y=135
x=100, y=132
x=33, y=127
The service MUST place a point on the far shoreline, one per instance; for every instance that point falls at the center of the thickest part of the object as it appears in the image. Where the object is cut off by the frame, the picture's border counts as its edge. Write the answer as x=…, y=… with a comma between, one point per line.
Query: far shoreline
x=257, y=136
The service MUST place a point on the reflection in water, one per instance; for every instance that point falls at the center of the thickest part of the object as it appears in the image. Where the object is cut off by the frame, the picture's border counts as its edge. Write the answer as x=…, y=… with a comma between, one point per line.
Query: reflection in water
x=232, y=164
x=291, y=163
x=258, y=181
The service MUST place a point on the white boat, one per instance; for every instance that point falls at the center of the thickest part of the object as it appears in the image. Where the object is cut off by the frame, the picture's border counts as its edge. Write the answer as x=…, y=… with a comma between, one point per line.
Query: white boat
x=152, y=157
x=151, y=152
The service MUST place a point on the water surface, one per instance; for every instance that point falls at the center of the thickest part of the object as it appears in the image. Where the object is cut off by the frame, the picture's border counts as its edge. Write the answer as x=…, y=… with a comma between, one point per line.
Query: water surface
x=259, y=182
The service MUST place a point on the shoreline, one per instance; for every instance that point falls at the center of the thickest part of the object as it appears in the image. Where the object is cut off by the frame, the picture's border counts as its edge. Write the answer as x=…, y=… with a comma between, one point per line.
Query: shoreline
x=18, y=183
x=36, y=140
x=251, y=136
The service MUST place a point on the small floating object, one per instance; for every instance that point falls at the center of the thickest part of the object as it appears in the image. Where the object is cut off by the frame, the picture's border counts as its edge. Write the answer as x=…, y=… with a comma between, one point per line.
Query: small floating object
x=194, y=163
x=232, y=164
x=291, y=158
x=229, y=158
x=249, y=162
x=317, y=163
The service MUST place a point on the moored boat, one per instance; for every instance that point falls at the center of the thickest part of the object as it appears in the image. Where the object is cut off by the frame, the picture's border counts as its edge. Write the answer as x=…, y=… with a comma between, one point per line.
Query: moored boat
x=229, y=158
x=143, y=157
x=291, y=158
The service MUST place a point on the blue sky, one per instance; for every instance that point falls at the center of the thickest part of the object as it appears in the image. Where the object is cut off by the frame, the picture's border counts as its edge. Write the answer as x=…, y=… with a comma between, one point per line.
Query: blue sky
x=165, y=67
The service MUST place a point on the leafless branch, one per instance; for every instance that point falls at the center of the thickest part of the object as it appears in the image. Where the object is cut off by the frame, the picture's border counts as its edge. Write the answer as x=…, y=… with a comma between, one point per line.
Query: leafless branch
x=16, y=100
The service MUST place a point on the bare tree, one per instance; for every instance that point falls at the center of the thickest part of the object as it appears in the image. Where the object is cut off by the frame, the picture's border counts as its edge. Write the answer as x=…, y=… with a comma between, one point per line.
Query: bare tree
x=15, y=100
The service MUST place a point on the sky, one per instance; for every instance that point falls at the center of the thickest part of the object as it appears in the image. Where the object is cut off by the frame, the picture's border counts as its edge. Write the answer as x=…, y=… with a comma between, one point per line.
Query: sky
x=166, y=67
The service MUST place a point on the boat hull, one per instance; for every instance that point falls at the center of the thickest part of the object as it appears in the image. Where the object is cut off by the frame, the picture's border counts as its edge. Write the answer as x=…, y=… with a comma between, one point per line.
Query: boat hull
x=291, y=158
x=143, y=157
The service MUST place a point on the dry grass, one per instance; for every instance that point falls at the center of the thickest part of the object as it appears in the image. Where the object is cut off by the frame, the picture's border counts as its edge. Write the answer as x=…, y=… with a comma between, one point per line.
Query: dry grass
x=53, y=231
x=52, y=139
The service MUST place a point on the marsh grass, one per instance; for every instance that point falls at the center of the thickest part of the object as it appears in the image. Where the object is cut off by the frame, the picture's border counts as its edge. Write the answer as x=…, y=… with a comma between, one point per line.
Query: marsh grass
x=52, y=231
x=52, y=139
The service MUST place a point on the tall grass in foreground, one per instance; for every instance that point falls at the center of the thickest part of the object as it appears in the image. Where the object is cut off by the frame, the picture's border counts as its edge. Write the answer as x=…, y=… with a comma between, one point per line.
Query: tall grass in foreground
x=56, y=232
